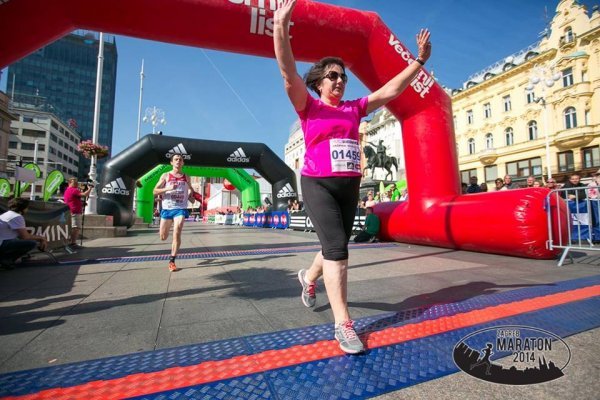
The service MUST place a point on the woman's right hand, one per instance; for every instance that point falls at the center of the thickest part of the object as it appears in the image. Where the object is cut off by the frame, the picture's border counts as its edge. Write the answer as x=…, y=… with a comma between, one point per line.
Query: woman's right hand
x=283, y=13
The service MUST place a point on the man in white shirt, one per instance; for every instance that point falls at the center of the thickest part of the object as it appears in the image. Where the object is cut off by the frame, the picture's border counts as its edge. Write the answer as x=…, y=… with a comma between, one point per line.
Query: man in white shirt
x=15, y=240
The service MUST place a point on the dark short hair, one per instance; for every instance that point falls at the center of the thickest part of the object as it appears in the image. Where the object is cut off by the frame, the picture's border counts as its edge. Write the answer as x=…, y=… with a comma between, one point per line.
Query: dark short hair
x=316, y=73
x=18, y=204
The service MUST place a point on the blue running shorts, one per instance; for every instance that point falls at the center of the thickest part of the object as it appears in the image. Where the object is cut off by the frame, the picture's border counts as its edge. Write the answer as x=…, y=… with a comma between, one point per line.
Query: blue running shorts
x=170, y=214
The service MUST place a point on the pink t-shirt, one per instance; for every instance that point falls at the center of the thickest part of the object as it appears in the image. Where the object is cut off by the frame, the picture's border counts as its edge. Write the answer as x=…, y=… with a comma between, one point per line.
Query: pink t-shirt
x=72, y=198
x=331, y=137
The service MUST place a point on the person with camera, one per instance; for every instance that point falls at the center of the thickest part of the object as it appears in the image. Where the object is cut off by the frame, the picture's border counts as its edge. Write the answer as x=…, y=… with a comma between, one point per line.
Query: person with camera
x=75, y=199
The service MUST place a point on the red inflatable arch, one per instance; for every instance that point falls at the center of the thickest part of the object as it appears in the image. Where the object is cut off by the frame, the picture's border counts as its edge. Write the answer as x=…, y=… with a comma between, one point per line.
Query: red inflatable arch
x=508, y=222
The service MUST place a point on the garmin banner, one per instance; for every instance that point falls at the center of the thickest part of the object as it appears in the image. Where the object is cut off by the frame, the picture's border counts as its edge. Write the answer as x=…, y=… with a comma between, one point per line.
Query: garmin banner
x=115, y=192
x=51, y=220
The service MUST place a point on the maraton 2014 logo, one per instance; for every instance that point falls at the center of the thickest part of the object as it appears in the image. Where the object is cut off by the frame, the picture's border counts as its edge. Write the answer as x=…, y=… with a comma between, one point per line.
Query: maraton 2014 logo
x=512, y=355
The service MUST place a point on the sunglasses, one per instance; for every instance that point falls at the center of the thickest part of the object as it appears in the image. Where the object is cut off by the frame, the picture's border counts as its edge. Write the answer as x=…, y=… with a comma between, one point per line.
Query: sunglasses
x=334, y=75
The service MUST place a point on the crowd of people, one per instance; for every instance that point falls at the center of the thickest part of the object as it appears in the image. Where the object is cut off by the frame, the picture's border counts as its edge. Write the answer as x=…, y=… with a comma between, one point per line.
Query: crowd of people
x=574, y=181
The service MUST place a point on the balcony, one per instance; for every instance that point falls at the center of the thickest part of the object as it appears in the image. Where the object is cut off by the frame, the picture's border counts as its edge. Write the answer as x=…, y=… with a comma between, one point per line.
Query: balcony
x=567, y=41
x=574, y=138
x=488, y=156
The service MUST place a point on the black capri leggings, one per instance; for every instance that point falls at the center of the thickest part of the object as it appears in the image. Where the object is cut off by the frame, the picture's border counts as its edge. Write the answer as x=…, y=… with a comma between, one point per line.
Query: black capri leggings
x=331, y=206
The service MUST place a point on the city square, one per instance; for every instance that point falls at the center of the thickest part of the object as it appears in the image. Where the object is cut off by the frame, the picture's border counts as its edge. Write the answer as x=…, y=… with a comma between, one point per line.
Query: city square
x=454, y=220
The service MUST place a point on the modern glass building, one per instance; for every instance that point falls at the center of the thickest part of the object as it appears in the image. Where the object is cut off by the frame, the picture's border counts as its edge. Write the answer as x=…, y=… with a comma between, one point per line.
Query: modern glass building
x=63, y=75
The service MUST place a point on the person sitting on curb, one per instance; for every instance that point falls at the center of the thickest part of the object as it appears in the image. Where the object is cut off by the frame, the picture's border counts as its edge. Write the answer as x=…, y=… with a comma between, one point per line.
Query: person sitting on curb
x=15, y=240
x=371, y=228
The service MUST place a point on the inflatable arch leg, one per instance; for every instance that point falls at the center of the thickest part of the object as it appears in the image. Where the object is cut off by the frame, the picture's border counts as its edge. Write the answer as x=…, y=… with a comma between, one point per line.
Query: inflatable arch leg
x=511, y=222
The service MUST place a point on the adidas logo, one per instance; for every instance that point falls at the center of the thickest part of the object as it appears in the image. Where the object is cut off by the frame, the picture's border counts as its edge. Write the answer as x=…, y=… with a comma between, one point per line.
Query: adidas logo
x=238, y=156
x=286, y=191
x=116, y=187
x=179, y=149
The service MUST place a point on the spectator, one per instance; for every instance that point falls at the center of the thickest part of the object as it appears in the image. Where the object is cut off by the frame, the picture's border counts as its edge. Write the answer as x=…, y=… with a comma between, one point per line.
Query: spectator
x=15, y=240
x=370, y=202
x=483, y=187
x=576, y=195
x=499, y=184
x=463, y=188
x=509, y=184
x=403, y=195
x=593, y=186
x=537, y=184
x=473, y=186
x=371, y=228
x=530, y=182
x=73, y=198
x=551, y=184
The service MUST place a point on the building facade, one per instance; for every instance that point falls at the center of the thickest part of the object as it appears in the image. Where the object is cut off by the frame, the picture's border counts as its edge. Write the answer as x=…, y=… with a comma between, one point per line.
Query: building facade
x=536, y=112
x=63, y=75
x=6, y=117
x=56, y=143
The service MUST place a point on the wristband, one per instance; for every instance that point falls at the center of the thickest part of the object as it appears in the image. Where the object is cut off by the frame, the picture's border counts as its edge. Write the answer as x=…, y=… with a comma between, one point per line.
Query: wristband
x=420, y=61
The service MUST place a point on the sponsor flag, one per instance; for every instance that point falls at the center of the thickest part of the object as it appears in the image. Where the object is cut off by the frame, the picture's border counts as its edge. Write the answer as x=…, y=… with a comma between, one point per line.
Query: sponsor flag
x=52, y=183
x=4, y=187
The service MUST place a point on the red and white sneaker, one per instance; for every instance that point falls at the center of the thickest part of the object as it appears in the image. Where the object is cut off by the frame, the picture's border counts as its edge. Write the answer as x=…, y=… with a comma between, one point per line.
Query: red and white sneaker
x=172, y=266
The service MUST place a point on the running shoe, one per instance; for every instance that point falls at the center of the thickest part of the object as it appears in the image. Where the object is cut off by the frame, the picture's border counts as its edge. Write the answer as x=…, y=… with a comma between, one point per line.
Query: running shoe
x=308, y=290
x=348, y=339
x=172, y=266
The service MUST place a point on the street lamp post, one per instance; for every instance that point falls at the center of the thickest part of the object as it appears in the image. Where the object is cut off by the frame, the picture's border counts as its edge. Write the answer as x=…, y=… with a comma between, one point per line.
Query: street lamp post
x=545, y=77
x=155, y=116
x=140, y=102
x=91, y=207
x=35, y=154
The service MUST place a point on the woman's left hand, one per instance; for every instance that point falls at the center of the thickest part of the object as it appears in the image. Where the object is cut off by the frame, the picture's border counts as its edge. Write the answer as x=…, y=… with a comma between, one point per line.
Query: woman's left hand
x=424, y=44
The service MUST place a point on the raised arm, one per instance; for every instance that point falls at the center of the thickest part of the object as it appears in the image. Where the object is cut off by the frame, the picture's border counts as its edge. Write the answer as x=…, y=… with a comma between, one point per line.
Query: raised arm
x=294, y=85
x=160, y=186
x=397, y=84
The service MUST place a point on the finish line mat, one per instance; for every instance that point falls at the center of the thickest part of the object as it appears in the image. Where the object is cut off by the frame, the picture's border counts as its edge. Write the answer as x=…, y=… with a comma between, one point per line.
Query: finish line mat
x=404, y=348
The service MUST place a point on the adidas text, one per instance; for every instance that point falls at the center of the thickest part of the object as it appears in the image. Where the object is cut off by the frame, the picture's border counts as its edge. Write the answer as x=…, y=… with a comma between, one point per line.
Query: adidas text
x=111, y=190
x=184, y=156
x=238, y=159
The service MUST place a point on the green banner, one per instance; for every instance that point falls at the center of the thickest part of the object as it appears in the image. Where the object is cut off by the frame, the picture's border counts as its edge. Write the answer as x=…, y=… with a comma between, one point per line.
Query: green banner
x=34, y=168
x=52, y=183
x=4, y=187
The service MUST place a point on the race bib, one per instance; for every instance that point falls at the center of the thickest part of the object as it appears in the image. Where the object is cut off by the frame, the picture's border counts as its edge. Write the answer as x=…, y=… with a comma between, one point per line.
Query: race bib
x=344, y=155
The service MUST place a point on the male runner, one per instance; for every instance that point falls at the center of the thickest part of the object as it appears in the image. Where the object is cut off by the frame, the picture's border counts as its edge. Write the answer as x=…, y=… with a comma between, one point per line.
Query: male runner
x=175, y=189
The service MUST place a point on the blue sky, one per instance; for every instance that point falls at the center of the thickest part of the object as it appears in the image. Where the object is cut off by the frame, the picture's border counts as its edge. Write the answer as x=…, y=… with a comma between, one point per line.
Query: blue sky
x=223, y=96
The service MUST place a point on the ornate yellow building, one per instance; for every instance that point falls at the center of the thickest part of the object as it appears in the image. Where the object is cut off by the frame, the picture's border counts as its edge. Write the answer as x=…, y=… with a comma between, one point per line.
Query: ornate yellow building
x=537, y=112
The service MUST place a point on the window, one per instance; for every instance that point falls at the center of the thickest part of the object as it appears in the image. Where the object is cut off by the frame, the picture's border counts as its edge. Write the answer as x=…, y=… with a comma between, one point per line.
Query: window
x=12, y=145
x=570, y=118
x=586, y=117
x=489, y=141
x=454, y=120
x=471, y=146
x=487, y=110
x=565, y=161
x=27, y=119
x=509, y=136
x=591, y=157
x=27, y=146
x=491, y=173
x=569, y=37
x=466, y=174
x=33, y=133
x=54, y=124
x=567, y=75
x=507, y=104
x=53, y=137
x=524, y=168
x=533, y=130
x=469, y=117
x=530, y=97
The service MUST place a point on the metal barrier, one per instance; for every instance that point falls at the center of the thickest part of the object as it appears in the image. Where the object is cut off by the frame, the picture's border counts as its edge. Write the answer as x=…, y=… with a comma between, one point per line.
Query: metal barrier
x=573, y=220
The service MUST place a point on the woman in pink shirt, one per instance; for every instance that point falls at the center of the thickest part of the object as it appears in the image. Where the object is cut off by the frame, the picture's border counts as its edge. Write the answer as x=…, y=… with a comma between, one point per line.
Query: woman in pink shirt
x=331, y=174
